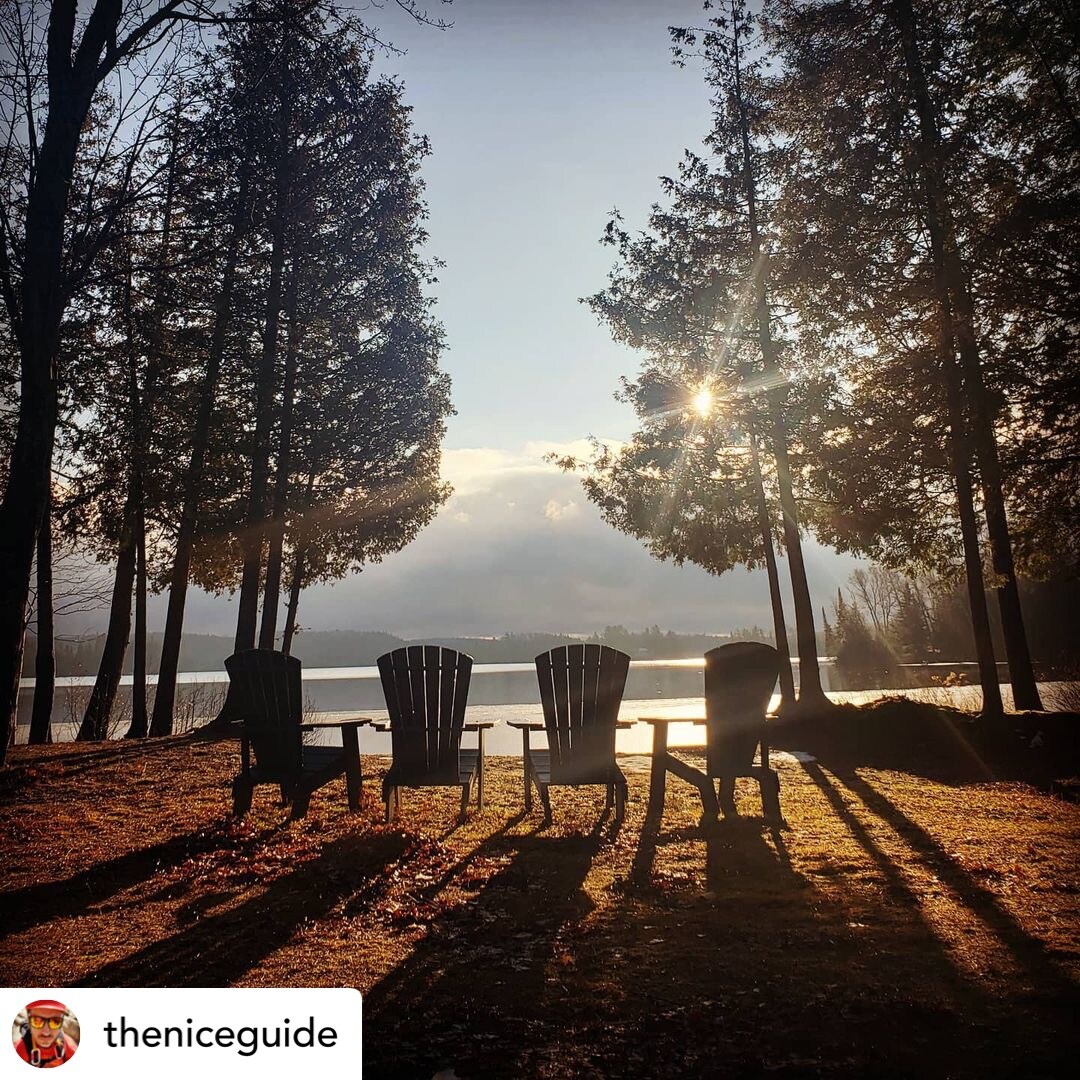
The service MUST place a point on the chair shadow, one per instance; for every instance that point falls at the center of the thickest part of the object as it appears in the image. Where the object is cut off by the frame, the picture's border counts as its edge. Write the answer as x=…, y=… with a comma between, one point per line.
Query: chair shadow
x=757, y=913
x=482, y=969
x=218, y=950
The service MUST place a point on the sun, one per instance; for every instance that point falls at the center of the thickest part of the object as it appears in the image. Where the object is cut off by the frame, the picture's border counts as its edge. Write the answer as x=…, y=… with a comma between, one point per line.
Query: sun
x=703, y=402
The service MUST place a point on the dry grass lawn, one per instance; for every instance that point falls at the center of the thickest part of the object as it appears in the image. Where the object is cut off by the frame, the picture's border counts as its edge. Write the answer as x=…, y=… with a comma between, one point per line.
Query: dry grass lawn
x=908, y=921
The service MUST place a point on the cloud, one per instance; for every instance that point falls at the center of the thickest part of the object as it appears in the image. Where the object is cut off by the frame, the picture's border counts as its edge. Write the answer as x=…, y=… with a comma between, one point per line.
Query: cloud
x=481, y=468
x=520, y=548
x=556, y=511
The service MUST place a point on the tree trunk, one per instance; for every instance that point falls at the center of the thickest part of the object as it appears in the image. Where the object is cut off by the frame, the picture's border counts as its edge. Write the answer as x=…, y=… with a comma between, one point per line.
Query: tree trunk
x=787, y=681
x=1021, y=671
x=13, y=722
x=276, y=532
x=139, y=405
x=37, y=329
x=811, y=696
x=295, y=585
x=95, y=723
x=138, y=728
x=165, y=695
x=951, y=278
x=45, y=660
x=960, y=455
x=252, y=539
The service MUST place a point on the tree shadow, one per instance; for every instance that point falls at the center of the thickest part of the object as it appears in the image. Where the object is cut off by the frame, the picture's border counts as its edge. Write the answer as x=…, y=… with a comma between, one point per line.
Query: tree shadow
x=1028, y=952
x=21, y=909
x=71, y=759
x=218, y=950
x=468, y=996
x=757, y=968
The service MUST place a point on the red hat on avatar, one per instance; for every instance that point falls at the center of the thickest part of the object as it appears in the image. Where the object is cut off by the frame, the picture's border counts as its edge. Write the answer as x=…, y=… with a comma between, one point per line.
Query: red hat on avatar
x=46, y=1006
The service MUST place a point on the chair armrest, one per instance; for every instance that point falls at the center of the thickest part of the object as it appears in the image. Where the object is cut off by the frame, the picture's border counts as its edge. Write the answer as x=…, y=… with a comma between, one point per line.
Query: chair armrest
x=480, y=725
x=622, y=725
x=358, y=721
x=526, y=725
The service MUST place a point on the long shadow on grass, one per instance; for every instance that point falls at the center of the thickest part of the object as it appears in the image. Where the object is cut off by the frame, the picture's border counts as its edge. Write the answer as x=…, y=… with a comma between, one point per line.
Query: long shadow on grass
x=1027, y=951
x=760, y=970
x=941, y=1015
x=82, y=757
x=467, y=997
x=21, y=909
x=220, y=949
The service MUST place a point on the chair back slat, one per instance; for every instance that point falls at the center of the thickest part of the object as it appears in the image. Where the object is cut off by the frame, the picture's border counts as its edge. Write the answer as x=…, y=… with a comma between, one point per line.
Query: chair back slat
x=739, y=682
x=581, y=688
x=426, y=689
x=269, y=697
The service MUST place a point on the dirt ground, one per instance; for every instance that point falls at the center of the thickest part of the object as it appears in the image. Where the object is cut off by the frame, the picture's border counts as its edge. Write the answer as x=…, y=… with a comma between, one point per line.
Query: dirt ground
x=918, y=916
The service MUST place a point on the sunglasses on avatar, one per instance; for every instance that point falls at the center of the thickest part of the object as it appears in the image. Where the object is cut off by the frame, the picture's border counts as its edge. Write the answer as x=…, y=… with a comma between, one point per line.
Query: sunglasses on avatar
x=38, y=1022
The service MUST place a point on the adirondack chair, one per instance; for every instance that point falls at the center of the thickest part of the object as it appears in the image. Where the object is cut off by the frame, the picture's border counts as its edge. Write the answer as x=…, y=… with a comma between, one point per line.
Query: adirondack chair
x=739, y=681
x=581, y=688
x=426, y=689
x=266, y=689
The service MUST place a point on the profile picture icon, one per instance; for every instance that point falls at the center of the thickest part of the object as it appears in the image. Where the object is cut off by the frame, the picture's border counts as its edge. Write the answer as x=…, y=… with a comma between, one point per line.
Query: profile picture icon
x=45, y=1034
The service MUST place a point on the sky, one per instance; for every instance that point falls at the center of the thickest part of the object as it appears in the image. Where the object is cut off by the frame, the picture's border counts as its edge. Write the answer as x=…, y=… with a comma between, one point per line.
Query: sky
x=543, y=115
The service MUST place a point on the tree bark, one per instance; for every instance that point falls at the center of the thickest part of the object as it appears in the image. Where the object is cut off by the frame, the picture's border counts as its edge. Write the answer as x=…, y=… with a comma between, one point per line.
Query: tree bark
x=95, y=723
x=787, y=681
x=45, y=659
x=165, y=695
x=811, y=696
x=951, y=278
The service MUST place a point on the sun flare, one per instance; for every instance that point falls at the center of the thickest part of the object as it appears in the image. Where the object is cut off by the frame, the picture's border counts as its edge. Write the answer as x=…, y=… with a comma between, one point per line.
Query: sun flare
x=703, y=402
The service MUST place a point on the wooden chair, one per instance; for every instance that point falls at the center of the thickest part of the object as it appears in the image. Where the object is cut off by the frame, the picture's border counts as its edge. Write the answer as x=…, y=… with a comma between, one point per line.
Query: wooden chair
x=265, y=686
x=426, y=688
x=581, y=688
x=739, y=682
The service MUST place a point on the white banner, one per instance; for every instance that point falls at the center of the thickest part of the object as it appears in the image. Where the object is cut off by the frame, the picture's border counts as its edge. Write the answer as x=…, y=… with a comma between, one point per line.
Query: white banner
x=162, y=1034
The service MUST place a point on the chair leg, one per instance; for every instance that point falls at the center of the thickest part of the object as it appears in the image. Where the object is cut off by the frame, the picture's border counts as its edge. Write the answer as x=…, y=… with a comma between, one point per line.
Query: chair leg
x=620, y=802
x=545, y=800
x=300, y=802
x=389, y=795
x=354, y=776
x=528, y=786
x=465, y=792
x=243, y=789
x=727, y=796
x=609, y=797
x=284, y=794
x=770, y=795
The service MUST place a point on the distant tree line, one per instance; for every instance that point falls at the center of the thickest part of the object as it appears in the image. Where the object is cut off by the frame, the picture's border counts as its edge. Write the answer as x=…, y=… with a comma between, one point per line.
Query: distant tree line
x=219, y=363
x=360, y=648
x=883, y=620
x=858, y=311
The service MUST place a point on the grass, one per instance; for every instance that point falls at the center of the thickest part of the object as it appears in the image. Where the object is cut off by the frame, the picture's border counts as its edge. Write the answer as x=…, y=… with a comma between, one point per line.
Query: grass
x=919, y=915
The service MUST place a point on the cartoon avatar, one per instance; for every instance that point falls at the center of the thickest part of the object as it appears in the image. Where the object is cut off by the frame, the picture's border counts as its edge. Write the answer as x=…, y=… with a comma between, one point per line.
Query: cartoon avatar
x=44, y=1043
